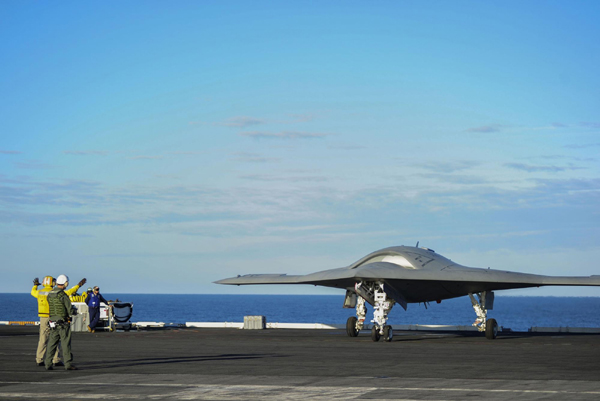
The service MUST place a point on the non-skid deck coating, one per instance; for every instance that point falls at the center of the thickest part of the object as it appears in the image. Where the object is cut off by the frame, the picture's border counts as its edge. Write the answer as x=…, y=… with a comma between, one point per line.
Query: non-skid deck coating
x=233, y=364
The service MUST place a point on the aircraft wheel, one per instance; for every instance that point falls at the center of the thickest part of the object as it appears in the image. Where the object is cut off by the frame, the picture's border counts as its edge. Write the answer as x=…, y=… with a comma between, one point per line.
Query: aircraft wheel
x=388, y=333
x=375, y=333
x=491, y=329
x=351, y=326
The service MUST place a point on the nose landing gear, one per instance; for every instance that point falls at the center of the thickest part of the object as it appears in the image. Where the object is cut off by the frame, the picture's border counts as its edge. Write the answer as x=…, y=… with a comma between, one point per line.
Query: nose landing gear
x=373, y=291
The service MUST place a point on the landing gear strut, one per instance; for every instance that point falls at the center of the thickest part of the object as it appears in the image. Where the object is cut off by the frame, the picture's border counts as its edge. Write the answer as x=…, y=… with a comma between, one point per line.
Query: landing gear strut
x=483, y=303
x=355, y=324
x=374, y=293
x=383, y=306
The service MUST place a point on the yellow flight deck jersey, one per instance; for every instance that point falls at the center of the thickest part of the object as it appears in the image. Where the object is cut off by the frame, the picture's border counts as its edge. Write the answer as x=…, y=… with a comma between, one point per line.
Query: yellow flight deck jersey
x=78, y=298
x=42, y=297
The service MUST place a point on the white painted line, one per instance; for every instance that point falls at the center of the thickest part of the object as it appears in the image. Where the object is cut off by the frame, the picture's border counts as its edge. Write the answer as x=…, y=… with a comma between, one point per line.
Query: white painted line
x=305, y=326
x=274, y=389
x=215, y=325
x=324, y=326
x=149, y=324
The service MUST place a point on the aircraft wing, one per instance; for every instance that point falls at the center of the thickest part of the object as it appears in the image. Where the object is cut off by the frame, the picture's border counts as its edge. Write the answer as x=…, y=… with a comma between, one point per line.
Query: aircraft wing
x=248, y=279
x=419, y=285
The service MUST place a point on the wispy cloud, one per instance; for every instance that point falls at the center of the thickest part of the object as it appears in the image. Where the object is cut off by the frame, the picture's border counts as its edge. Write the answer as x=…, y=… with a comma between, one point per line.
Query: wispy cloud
x=26, y=192
x=448, y=167
x=10, y=152
x=491, y=128
x=564, y=157
x=283, y=178
x=254, y=158
x=55, y=235
x=487, y=128
x=190, y=153
x=34, y=165
x=284, y=135
x=534, y=168
x=311, y=198
x=242, y=122
x=346, y=147
x=569, y=186
x=582, y=146
x=247, y=121
x=457, y=179
x=301, y=118
x=67, y=219
x=85, y=152
x=145, y=158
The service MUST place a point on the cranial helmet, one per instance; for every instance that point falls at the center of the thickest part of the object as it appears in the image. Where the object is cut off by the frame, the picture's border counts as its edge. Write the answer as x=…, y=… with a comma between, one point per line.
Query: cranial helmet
x=62, y=280
x=48, y=281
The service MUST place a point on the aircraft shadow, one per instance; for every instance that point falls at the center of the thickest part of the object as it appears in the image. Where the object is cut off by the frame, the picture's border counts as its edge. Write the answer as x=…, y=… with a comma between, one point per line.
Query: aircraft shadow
x=433, y=336
x=170, y=360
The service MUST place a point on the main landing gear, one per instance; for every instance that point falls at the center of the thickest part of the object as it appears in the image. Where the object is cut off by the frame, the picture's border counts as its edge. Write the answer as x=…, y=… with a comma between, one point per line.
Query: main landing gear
x=382, y=304
x=356, y=323
x=373, y=293
x=483, y=303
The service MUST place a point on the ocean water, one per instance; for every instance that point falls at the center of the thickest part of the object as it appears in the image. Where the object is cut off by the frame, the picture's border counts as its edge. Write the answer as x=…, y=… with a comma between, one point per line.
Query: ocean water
x=517, y=313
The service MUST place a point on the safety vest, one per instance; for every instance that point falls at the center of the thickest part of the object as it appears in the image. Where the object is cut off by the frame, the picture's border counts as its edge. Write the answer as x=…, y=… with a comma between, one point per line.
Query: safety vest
x=42, y=298
x=93, y=301
x=58, y=303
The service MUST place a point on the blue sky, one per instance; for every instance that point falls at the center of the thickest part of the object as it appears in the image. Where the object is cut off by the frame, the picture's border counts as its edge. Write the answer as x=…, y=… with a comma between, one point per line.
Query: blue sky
x=160, y=146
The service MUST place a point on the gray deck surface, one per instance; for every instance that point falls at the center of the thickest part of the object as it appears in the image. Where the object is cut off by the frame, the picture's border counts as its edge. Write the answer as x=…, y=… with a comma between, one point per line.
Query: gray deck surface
x=233, y=364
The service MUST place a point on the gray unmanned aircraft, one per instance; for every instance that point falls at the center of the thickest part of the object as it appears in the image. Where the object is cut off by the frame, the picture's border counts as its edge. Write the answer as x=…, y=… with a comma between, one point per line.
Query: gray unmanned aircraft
x=403, y=275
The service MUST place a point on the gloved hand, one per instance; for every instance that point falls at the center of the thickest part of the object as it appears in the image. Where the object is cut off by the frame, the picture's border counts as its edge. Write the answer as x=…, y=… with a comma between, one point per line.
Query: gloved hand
x=82, y=282
x=36, y=281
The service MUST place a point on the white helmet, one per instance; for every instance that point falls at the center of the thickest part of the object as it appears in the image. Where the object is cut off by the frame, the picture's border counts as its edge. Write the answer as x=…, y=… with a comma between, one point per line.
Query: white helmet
x=62, y=280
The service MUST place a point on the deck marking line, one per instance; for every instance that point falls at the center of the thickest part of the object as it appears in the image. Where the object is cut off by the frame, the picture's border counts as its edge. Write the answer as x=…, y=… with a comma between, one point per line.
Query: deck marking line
x=304, y=388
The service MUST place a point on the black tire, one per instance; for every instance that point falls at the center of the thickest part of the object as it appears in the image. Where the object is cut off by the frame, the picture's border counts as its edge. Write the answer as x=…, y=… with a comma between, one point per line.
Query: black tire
x=351, y=326
x=388, y=333
x=491, y=329
x=375, y=333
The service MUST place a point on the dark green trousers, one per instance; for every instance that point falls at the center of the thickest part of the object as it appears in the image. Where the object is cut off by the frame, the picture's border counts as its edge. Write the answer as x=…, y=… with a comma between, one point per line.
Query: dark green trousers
x=60, y=334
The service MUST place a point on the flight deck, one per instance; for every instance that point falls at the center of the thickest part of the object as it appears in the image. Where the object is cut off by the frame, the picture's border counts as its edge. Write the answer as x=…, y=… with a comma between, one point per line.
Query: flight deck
x=288, y=364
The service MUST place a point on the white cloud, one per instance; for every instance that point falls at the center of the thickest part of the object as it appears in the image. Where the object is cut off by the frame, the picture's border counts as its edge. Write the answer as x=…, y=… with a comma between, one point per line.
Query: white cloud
x=242, y=122
x=534, y=168
x=283, y=178
x=254, y=158
x=284, y=135
x=486, y=128
x=448, y=167
x=34, y=165
x=145, y=157
x=86, y=152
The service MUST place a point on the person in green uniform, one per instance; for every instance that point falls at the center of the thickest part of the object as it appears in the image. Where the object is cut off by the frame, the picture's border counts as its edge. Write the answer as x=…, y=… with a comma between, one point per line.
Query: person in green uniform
x=60, y=324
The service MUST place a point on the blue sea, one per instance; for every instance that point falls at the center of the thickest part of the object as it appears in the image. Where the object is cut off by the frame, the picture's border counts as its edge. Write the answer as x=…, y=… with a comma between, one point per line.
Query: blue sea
x=518, y=313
